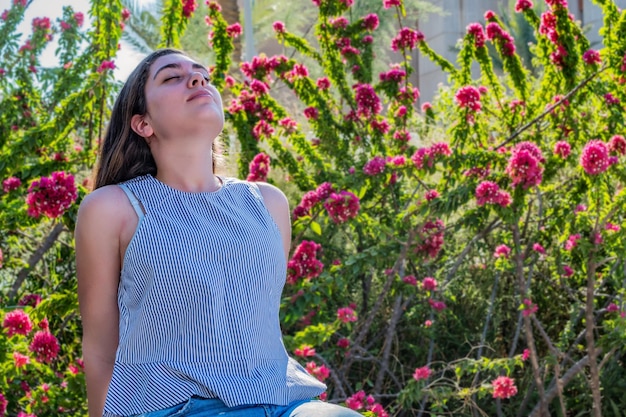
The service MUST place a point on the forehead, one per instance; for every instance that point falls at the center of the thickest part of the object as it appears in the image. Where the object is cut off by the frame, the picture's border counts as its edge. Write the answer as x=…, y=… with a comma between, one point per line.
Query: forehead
x=173, y=61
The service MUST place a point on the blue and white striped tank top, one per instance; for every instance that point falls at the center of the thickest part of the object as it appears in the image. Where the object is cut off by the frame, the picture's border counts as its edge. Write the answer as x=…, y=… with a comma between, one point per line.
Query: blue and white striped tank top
x=199, y=299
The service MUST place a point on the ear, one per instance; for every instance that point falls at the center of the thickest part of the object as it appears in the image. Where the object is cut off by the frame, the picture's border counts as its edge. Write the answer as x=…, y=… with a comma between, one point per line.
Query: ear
x=141, y=126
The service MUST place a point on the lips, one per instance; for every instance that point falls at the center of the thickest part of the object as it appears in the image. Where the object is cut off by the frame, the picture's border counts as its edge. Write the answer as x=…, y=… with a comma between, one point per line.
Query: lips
x=200, y=93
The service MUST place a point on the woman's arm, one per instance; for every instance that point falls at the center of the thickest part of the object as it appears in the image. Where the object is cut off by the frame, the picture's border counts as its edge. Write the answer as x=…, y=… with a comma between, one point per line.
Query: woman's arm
x=278, y=206
x=97, y=235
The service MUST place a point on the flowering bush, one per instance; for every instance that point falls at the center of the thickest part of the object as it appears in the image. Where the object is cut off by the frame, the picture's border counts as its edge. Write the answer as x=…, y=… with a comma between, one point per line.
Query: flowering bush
x=513, y=224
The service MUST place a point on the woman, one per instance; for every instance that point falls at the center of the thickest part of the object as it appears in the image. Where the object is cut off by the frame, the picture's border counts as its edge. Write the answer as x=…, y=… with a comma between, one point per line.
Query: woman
x=180, y=271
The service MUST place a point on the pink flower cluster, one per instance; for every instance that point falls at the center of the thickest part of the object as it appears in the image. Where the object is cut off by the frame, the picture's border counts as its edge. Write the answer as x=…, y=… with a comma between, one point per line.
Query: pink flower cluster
x=279, y=27
x=395, y=75
x=595, y=157
x=488, y=192
x=234, y=30
x=20, y=361
x=346, y=315
x=261, y=66
x=388, y=4
x=617, y=145
x=495, y=33
x=522, y=5
x=189, y=6
x=45, y=346
x=562, y=149
x=437, y=305
x=51, y=196
x=539, y=249
x=359, y=401
x=529, y=308
x=304, y=351
x=476, y=30
x=320, y=372
x=342, y=206
x=422, y=373
x=10, y=184
x=17, y=322
x=32, y=300
x=259, y=168
x=524, y=165
x=426, y=157
x=503, y=387
x=429, y=284
x=105, y=65
x=370, y=22
x=368, y=103
x=468, y=97
x=502, y=251
x=431, y=238
x=375, y=166
x=572, y=241
x=311, y=198
x=592, y=57
x=304, y=265
x=406, y=38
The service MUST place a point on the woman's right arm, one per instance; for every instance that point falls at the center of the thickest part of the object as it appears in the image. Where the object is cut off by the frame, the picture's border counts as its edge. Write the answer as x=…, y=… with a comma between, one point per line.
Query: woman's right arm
x=97, y=236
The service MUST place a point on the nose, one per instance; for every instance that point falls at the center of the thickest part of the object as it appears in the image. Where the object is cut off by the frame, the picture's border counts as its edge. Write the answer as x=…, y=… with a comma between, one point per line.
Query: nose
x=196, y=78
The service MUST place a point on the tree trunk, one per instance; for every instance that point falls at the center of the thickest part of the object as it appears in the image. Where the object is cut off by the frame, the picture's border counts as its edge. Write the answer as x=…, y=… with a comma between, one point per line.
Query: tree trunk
x=231, y=13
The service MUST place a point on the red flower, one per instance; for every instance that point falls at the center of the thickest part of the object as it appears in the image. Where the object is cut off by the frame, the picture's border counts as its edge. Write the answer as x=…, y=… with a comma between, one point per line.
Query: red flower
x=422, y=373
x=45, y=346
x=503, y=387
x=259, y=168
x=595, y=157
x=17, y=322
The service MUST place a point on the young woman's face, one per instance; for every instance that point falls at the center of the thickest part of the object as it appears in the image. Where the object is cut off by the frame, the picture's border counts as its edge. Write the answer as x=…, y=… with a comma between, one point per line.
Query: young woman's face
x=180, y=100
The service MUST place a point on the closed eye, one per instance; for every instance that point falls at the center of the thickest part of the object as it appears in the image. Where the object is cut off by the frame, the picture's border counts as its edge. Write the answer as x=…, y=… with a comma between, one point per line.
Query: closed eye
x=174, y=77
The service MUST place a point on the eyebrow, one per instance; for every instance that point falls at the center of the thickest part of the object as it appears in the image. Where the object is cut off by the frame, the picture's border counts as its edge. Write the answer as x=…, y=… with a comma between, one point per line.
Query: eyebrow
x=178, y=66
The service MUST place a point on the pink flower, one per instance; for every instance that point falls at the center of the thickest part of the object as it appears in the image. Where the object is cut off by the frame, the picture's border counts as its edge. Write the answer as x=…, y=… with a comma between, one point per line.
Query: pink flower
x=10, y=184
x=189, y=6
x=437, y=305
x=356, y=402
x=468, y=97
x=17, y=322
x=595, y=157
x=476, y=30
x=502, y=251
x=529, y=308
x=612, y=227
x=422, y=373
x=429, y=284
x=525, y=354
x=105, y=65
x=406, y=38
x=320, y=372
x=32, y=300
x=259, y=168
x=233, y=30
x=572, y=241
x=426, y=106
x=125, y=14
x=567, y=271
x=488, y=192
x=579, y=208
x=370, y=22
x=617, y=145
x=304, y=351
x=522, y=5
x=323, y=83
x=342, y=206
x=611, y=308
x=279, y=27
x=368, y=103
x=343, y=343
x=503, y=387
x=80, y=18
x=524, y=165
x=562, y=149
x=592, y=57
x=387, y=4
x=431, y=195
x=51, y=196
x=304, y=264
x=431, y=238
x=20, y=360
x=3, y=405
x=428, y=323
x=410, y=280
x=262, y=129
x=45, y=346
x=346, y=315
x=375, y=166
x=539, y=249
x=611, y=99
x=311, y=113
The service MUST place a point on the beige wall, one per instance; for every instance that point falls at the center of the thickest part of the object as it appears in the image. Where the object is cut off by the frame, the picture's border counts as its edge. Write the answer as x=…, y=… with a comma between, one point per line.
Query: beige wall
x=443, y=32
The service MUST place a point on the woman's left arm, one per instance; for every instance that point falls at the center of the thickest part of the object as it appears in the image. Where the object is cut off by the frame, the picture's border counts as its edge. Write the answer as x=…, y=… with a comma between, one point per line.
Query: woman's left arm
x=278, y=206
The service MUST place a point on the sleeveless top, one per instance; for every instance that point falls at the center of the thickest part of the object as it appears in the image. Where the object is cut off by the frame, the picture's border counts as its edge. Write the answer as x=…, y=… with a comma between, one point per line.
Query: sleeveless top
x=199, y=299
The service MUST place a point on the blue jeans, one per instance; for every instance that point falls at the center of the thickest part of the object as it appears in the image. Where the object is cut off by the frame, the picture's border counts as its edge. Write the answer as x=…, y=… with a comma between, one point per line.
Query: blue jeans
x=206, y=407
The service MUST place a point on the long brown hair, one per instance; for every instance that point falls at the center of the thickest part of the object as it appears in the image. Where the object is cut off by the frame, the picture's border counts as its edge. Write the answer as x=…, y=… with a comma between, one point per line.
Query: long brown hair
x=124, y=154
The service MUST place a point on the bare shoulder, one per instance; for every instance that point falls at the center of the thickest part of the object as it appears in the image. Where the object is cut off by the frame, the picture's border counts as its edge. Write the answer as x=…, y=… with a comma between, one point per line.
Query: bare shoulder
x=105, y=206
x=273, y=197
